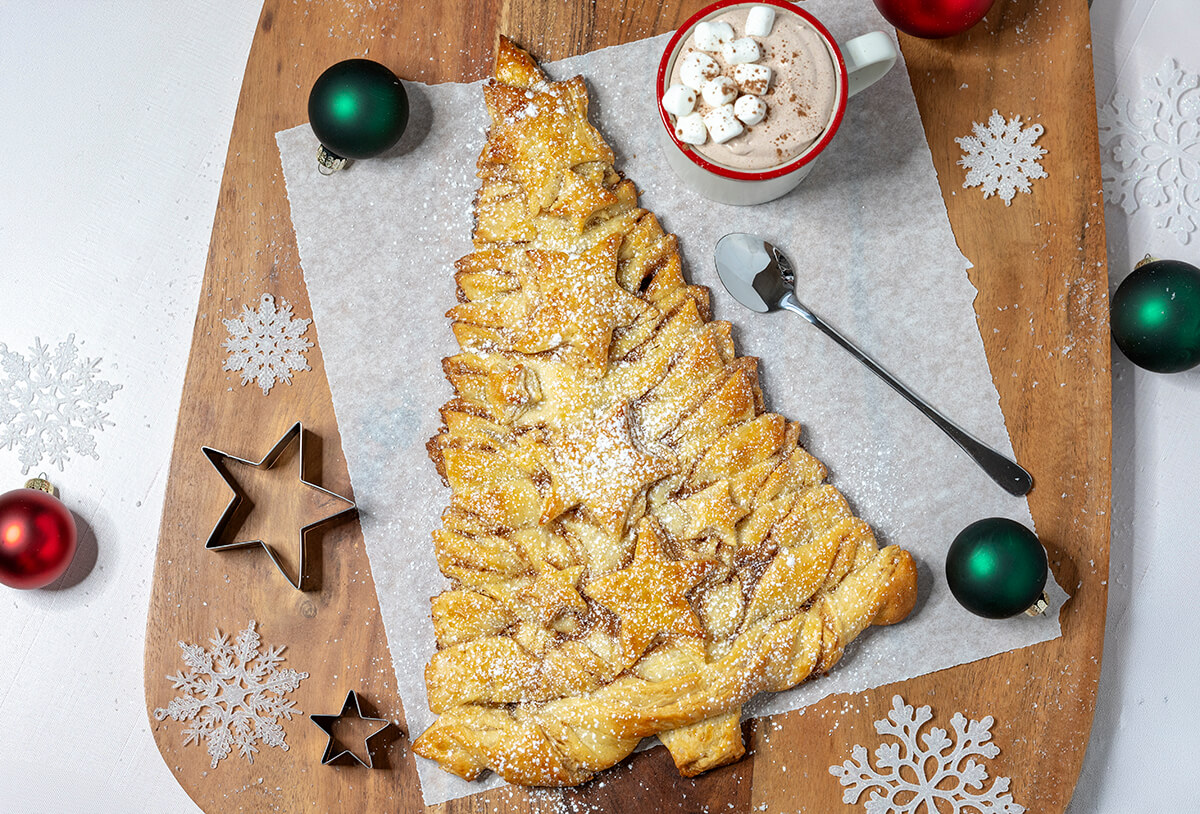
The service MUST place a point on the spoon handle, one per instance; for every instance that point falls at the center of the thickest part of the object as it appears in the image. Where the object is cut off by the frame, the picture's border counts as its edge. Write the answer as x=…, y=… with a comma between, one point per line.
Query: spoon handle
x=1011, y=476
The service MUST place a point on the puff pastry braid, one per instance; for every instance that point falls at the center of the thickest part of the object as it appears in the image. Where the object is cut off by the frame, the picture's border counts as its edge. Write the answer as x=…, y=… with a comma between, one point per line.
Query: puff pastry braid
x=635, y=547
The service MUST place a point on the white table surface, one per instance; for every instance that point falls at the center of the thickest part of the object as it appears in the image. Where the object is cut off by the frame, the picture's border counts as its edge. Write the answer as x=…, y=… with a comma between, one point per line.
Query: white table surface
x=117, y=118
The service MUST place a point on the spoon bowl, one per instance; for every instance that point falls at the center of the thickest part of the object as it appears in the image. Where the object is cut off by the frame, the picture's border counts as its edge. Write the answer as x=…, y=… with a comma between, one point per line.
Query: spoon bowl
x=753, y=271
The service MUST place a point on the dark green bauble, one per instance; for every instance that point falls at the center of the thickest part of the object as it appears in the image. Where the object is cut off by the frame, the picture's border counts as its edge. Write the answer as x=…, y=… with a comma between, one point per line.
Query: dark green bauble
x=358, y=108
x=996, y=568
x=1156, y=316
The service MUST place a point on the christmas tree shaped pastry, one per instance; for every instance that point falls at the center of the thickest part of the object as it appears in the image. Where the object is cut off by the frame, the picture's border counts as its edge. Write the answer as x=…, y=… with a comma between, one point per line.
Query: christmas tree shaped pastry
x=635, y=547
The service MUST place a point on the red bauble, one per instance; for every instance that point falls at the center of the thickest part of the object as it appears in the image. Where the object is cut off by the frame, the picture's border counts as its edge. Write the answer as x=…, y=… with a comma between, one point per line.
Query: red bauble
x=37, y=538
x=933, y=19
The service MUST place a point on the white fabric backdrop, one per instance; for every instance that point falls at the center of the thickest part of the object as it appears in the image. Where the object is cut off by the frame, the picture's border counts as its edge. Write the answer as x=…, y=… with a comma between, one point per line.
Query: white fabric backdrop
x=117, y=120
x=116, y=123
x=1144, y=737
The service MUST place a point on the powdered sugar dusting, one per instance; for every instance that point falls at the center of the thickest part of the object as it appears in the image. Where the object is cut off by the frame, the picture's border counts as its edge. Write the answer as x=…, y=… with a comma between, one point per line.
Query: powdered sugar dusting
x=410, y=218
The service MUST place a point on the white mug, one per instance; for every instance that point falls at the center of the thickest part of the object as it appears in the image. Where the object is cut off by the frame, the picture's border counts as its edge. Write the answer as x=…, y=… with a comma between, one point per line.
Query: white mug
x=859, y=63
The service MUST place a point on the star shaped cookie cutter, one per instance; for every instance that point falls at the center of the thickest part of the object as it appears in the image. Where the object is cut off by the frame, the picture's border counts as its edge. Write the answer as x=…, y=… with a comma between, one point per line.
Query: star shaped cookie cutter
x=216, y=541
x=326, y=722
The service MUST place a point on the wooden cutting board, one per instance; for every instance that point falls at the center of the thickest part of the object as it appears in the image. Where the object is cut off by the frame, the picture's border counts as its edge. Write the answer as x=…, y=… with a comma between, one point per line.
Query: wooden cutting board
x=1039, y=266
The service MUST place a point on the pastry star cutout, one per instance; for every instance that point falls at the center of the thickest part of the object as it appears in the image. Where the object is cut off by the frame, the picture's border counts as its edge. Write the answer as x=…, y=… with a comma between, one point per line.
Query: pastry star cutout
x=332, y=506
x=553, y=593
x=559, y=114
x=602, y=468
x=712, y=510
x=578, y=302
x=649, y=596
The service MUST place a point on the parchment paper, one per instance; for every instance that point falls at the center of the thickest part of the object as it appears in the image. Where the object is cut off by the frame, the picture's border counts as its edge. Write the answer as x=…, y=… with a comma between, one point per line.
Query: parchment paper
x=869, y=235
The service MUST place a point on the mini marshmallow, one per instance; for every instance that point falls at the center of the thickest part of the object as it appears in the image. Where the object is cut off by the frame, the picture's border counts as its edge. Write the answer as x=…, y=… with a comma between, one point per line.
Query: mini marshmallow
x=711, y=36
x=690, y=129
x=722, y=124
x=719, y=91
x=759, y=21
x=750, y=109
x=698, y=69
x=679, y=100
x=741, y=51
x=753, y=79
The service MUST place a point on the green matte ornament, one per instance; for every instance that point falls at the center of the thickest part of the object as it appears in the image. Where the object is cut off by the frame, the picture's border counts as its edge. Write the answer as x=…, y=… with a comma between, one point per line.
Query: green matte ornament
x=996, y=568
x=1156, y=316
x=357, y=109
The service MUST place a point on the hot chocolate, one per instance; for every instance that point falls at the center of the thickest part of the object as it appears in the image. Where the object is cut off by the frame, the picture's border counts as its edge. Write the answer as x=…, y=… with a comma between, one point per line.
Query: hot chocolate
x=752, y=87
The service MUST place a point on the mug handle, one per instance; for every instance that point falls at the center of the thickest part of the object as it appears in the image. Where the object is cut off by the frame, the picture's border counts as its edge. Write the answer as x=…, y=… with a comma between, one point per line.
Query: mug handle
x=868, y=58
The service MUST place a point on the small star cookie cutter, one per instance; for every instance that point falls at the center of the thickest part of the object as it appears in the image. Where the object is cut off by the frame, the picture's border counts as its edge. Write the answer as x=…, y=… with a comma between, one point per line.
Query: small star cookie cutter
x=216, y=539
x=370, y=742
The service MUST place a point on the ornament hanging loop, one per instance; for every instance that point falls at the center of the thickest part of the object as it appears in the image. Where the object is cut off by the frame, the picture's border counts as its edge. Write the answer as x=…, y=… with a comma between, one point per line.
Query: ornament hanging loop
x=41, y=484
x=328, y=163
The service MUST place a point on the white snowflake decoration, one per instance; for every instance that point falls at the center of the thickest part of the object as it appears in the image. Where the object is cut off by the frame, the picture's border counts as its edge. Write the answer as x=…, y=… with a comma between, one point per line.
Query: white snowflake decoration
x=1001, y=157
x=1151, y=150
x=233, y=695
x=50, y=403
x=943, y=770
x=268, y=344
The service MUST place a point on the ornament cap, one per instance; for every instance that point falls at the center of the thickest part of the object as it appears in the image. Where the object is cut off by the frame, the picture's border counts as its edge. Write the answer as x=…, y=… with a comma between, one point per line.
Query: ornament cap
x=41, y=484
x=329, y=162
x=1149, y=258
x=1039, y=607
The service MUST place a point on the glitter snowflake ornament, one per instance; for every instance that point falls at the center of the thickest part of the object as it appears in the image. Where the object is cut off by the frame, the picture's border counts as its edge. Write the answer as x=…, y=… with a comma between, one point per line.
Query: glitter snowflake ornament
x=233, y=694
x=934, y=776
x=1151, y=150
x=50, y=403
x=268, y=344
x=1001, y=157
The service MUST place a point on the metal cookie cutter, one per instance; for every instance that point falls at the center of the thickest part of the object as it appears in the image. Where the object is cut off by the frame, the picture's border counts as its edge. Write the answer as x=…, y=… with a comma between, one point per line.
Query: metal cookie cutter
x=369, y=742
x=216, y=541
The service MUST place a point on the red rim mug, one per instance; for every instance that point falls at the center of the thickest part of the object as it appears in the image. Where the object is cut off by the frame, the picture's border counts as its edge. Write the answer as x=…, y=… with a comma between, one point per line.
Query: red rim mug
x=859, y=63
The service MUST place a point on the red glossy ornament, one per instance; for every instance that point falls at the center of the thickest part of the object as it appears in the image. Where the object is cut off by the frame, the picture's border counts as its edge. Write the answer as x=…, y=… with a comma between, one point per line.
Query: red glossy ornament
x=933, y=19
x=37, y=536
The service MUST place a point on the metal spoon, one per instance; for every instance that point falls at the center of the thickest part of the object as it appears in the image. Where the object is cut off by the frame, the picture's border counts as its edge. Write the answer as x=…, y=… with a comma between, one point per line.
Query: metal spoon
x=760, y=277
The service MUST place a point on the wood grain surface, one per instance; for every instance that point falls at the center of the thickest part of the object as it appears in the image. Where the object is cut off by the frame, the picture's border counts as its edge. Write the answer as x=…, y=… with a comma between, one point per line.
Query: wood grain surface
x=1043, y=314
